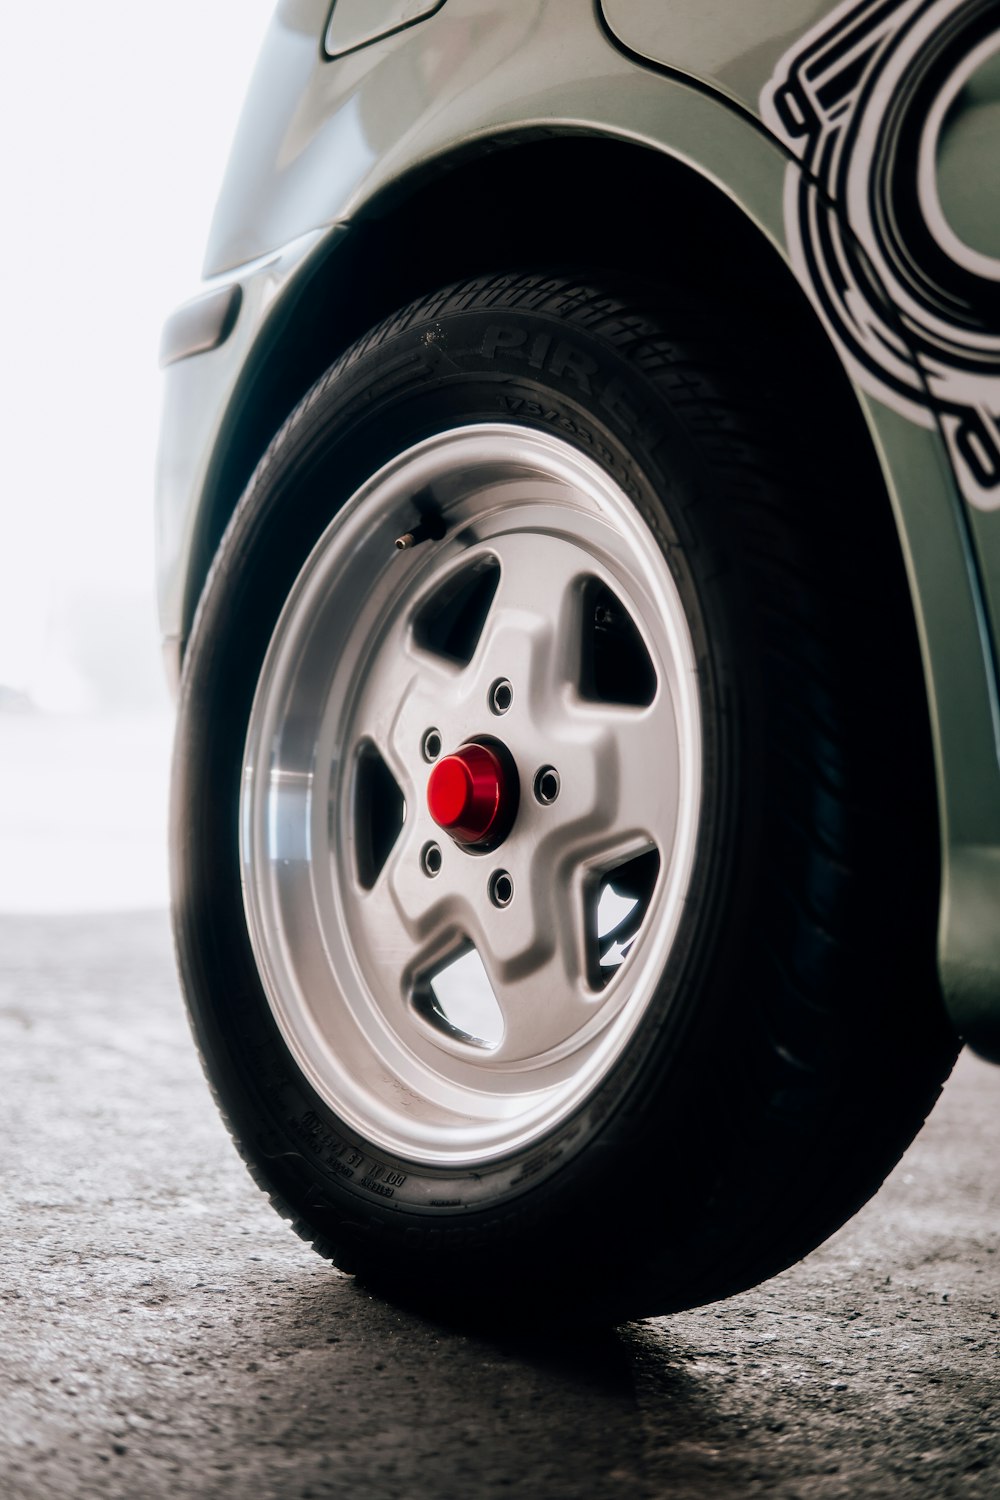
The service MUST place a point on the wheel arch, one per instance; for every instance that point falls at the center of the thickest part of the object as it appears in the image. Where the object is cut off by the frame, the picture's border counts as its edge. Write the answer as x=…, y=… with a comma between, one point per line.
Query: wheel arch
x=528, y=199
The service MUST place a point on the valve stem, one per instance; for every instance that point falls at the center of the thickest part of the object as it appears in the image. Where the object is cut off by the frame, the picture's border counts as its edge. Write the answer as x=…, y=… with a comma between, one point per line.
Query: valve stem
x=430, y=528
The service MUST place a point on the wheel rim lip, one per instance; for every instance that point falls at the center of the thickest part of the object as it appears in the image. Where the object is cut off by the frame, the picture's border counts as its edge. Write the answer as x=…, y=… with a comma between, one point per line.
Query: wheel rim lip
x=492, y=1124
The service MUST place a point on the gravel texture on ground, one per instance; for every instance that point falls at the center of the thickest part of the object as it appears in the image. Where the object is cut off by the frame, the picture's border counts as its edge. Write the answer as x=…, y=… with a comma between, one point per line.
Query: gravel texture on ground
x=165, y=1334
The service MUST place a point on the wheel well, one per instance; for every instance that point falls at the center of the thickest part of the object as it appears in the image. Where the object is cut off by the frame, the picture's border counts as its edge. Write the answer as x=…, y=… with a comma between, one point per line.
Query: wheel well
x=569, y=201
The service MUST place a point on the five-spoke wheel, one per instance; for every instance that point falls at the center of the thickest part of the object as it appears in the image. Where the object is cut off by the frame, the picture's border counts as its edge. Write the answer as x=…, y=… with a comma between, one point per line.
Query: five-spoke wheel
x=471, y=794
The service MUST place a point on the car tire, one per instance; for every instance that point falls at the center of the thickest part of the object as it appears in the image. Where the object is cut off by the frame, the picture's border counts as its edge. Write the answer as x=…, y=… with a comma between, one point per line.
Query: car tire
x=665, y=1021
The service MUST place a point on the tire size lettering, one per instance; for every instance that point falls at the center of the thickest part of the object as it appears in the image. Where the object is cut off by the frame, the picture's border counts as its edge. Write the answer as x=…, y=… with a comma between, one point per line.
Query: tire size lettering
x=529, y=408
x=349, y=1156
x=377, y=1187
x=517, y=405
x=382, y=1180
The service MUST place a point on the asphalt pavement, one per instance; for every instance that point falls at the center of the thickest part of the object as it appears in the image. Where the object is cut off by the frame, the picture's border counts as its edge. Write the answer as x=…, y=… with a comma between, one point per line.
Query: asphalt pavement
x=163, y=1333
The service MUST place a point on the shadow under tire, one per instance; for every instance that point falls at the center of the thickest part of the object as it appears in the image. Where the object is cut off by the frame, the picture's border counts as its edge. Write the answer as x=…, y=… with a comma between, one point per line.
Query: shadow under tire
x=670, y=1019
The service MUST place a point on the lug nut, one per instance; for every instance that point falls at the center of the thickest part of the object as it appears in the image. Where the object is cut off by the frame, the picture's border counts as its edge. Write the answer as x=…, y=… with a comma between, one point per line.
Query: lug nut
x=430, y=859
x=501, y=696
x=501, y=888
x=431, y=745
x=546, y=785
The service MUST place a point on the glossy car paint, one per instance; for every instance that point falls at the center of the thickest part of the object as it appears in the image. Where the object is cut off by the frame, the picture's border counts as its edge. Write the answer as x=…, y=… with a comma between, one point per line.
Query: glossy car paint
x=355, y=23
x=324, y=145
x=732, y=48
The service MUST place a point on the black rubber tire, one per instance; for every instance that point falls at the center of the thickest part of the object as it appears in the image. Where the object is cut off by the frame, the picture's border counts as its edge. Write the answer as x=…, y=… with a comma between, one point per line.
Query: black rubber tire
x=797, y=1039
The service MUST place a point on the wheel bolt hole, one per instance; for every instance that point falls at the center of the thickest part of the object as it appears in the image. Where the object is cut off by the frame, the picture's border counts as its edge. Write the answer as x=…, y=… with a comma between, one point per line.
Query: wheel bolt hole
x=501, y=696
x=501, y=888
x=430, y=859
x=431, y=746
x=547, y=784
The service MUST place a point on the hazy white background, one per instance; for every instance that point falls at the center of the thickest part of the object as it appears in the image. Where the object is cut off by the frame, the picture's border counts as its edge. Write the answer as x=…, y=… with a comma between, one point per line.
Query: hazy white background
x=116, y=120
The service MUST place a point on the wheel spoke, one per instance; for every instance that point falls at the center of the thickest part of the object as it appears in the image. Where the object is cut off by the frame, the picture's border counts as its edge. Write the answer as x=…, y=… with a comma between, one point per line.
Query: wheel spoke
x=640, y=763
x=540, y=988
x=530, y=635
x=543, y=1015
x=396, y=714
x=543, y=1008
x=411, y=919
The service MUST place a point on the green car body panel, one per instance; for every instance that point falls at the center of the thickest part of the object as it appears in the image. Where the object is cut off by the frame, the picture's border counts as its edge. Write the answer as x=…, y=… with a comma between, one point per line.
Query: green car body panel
x=832, y=132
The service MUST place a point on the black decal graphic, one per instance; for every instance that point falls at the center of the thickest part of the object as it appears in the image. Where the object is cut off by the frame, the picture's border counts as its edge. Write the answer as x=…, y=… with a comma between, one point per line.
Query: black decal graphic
x=862, y=100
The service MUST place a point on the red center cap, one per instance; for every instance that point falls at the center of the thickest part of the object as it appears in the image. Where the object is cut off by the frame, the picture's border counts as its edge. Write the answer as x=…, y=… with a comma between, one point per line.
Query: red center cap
x=466, y=794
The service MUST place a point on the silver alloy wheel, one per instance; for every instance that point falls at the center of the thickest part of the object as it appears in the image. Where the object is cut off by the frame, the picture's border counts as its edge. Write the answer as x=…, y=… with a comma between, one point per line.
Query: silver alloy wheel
x=455, y=1006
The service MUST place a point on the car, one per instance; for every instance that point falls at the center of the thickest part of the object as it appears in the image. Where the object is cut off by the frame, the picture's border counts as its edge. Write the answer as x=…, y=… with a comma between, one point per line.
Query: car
x=579, y=556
